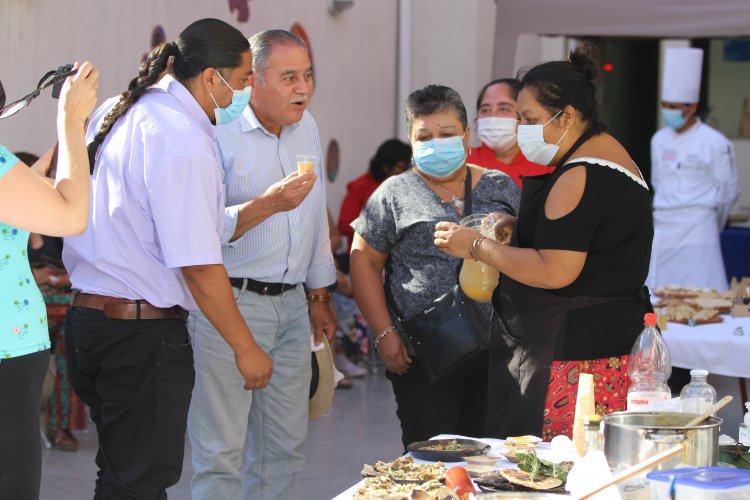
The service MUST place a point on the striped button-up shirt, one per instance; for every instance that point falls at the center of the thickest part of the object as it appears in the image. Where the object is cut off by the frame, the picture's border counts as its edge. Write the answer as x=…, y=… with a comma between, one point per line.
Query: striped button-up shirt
x=288, y=247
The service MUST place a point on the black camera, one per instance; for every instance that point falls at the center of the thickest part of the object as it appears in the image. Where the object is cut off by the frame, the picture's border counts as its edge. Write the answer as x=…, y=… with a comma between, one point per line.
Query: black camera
x=60, y=75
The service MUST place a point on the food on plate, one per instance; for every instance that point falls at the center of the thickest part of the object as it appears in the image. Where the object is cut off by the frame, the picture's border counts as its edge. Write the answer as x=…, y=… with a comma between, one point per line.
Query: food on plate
x=683, y=292
x=380, y=488
x=476, y=470
x=513, y=446
x=482, y=459
x=537, y=467
x=446, y=445
x=495, y=482
x=459, y=481
x=668, y=302
x=524, y=439
x=685, y=312
x=540, y=482
x=406, y=469
x=711, y=303
x=447, y=450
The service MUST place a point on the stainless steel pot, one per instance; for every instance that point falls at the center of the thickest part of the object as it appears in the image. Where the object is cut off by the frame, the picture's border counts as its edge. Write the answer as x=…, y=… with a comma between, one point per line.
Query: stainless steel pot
x=630, y=438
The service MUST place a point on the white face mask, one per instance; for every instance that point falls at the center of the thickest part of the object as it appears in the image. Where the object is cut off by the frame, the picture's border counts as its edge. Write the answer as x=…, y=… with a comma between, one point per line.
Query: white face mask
x=497, y=133
x=533, y=147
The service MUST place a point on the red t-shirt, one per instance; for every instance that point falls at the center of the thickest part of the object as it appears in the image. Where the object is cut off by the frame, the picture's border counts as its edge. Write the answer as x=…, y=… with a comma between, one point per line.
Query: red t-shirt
x=484, y=156
x=357, y=193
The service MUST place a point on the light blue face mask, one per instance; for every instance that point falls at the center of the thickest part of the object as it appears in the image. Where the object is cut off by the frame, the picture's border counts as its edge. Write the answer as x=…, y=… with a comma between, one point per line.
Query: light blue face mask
x=673, y=118
x=532, y=144
x=240, y=99
x=440, y=157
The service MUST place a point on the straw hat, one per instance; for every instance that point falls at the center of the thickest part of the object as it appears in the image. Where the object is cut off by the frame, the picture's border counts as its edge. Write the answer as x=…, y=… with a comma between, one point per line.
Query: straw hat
x=322, y=382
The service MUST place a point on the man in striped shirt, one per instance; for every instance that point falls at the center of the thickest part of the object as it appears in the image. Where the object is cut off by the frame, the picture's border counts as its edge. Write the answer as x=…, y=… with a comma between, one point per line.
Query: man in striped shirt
x=275, y=240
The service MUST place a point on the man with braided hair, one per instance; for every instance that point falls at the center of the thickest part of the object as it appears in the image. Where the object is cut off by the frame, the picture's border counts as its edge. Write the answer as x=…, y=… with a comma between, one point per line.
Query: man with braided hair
x=151, y=253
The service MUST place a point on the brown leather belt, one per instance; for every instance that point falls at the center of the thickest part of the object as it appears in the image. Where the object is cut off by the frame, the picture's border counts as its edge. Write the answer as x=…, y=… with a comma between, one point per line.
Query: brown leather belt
x=118, y=308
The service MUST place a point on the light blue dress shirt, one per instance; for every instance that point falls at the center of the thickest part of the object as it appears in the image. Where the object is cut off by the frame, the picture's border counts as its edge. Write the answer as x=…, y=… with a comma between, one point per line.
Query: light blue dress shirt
x=288, y=247
x=157, y=202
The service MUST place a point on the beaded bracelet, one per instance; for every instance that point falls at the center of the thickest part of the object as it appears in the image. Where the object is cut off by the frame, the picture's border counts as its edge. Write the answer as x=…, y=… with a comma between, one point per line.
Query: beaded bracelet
x=383, y=335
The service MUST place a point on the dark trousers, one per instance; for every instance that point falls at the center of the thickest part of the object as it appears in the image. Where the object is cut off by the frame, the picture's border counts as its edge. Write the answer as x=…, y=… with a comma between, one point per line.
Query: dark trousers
x=21, y=381
x=137, y=376
x=457, y=406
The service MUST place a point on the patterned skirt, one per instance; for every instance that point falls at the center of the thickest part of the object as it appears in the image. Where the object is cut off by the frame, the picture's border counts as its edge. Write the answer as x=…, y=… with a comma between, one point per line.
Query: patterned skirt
x=611, y=384
x=64, y=409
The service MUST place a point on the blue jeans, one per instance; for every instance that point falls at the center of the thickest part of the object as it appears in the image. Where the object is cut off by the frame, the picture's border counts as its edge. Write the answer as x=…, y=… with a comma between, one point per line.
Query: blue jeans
x=272, y=422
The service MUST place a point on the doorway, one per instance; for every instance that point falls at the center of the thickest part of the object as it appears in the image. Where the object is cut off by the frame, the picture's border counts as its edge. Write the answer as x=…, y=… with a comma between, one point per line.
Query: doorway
x=629, y=76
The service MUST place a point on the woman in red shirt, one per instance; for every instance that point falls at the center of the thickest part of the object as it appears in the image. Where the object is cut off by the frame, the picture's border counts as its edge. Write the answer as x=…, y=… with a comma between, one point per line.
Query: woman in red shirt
x=496, y=126
x=392, y=157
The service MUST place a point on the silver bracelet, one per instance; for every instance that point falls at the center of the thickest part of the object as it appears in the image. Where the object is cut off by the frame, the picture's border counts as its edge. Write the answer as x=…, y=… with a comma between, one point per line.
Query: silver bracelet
x=383, y=335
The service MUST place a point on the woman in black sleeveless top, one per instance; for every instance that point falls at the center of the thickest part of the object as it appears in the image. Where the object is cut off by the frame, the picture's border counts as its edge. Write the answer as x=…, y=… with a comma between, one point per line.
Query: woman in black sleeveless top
x=571, y=296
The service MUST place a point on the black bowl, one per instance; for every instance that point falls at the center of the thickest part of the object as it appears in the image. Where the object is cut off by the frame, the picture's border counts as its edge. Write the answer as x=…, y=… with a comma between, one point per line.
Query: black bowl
x=469, y=448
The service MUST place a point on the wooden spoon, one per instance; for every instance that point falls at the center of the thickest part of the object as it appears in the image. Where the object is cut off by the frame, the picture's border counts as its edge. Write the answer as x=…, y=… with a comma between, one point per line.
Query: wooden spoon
x=703, y=416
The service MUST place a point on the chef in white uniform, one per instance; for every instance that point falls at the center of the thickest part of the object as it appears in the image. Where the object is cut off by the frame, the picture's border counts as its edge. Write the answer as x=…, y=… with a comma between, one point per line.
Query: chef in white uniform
x=695, y=182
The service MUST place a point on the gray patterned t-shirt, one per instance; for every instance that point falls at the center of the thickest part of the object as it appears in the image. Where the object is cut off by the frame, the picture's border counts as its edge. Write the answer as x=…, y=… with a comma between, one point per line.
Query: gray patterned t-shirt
x=399, y=220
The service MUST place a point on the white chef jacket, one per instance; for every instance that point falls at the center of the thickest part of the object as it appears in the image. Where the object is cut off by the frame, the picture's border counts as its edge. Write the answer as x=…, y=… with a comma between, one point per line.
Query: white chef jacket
x=695, y=185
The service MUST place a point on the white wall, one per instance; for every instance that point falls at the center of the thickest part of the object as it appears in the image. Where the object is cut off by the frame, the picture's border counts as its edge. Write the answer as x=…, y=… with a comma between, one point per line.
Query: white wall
x=354, y=54
x=452, y=44
x=532, y=49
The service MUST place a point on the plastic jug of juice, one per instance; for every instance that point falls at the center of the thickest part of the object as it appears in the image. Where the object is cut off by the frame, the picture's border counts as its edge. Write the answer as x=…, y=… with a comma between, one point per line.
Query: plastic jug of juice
x=477, y=279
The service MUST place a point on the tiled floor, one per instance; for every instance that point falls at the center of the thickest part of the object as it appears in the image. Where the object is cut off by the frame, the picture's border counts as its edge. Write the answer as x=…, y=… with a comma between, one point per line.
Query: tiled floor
x=361, y=428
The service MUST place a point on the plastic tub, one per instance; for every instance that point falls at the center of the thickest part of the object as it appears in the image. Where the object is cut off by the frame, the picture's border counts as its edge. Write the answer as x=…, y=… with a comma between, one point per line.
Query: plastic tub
x=702, y=483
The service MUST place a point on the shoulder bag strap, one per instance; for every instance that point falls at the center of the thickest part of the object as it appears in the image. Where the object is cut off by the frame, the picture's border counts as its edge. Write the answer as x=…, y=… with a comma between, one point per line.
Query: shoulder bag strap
x=467, y=193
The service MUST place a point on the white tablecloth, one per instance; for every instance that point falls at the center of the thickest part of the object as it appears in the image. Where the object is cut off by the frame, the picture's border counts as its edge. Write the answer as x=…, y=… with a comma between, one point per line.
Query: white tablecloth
x=711, y=347
x=496, y=446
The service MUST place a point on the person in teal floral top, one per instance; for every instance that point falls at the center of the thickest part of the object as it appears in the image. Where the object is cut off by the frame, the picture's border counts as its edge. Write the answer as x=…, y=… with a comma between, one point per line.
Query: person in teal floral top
x=23, y=316
x=29, y=203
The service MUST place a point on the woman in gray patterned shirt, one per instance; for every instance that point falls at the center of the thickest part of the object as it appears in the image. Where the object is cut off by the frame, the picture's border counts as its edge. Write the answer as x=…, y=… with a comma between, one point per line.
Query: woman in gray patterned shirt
x=394, y=233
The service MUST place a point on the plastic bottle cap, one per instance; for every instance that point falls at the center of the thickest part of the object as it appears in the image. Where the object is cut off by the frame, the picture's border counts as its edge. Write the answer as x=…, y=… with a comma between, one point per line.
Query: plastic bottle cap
x=699, y=373
x=649, y=319
x=593, y=419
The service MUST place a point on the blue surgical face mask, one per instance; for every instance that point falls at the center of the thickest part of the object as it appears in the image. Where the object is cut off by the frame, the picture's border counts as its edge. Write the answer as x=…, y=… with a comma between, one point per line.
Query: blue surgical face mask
x=532, y=144
x=440, y=157
x=240, y=99
x=673, y=118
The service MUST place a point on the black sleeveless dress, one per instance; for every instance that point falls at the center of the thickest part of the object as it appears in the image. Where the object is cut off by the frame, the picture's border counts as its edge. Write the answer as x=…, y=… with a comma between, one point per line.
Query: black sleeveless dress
x=599, y=315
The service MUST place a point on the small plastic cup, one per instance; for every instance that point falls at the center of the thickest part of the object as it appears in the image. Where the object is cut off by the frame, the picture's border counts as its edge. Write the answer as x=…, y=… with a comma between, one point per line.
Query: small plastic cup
x=305, y=163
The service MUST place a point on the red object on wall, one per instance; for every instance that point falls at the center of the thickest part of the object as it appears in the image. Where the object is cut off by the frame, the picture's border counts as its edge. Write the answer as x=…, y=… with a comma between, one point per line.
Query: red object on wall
x=158, y=36
x=298, y=30
x=243, y=9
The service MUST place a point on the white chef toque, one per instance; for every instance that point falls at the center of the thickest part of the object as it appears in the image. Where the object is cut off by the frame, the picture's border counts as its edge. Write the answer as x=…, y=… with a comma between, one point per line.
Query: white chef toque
x=682, y=75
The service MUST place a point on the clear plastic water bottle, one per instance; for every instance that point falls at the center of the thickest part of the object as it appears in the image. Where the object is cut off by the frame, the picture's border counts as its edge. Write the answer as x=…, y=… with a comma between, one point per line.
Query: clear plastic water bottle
x=649, y=368
x=698, y=395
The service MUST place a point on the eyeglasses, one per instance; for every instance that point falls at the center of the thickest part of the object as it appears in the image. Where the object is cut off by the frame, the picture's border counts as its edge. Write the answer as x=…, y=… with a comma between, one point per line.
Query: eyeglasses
x=52, y=77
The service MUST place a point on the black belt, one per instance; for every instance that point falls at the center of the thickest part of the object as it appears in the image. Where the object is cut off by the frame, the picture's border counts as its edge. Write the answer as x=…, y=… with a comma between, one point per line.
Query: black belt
x=260, y=287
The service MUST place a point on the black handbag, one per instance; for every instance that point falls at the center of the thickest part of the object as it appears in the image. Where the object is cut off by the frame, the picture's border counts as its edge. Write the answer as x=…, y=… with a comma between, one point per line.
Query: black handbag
x=449, y=337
